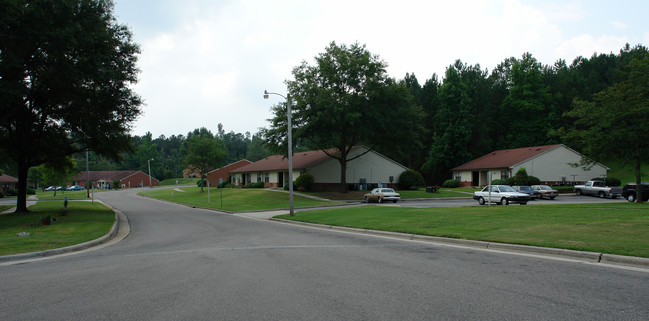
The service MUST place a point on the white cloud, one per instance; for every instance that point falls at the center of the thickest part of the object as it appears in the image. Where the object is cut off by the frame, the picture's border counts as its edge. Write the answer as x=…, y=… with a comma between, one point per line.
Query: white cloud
x=212, y=64
x=587, y=45
x=619, y=24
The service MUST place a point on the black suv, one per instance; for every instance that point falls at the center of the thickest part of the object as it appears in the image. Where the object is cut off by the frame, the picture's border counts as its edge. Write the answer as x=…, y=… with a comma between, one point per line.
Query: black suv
x=629, y=191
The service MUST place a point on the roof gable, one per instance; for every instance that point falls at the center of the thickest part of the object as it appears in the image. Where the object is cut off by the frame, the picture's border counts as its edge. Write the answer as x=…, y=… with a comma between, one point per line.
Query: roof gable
x=505, y=158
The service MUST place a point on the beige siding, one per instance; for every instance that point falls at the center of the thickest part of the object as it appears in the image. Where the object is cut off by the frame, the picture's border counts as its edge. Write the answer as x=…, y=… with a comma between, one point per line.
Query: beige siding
x=555, y=165
x=372, y=166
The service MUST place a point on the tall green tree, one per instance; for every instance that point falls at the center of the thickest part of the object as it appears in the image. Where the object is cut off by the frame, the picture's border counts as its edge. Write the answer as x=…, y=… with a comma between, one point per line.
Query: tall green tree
x=204, y=154
x=66, y=69
x=452, y=128
x=614, y=122
x=528, y=112
x=340, y=102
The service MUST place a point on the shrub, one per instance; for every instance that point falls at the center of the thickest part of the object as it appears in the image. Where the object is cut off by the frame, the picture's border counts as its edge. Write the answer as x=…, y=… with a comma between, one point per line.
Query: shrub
x=305, y=181
x=499, y=182
x=255, y=185
x=410, y=178
x=532, y=180
x=201, y=183
x=12, y=192
x=31, y=191
x=452, y=183
x=116, y=184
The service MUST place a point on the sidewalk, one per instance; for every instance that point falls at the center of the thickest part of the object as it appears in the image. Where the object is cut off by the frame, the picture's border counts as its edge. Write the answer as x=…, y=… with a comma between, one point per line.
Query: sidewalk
x=31, y=200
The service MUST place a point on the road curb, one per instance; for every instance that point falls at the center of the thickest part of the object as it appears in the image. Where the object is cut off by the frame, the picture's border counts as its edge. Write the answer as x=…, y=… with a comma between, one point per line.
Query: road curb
x=119, y=218
x=592, y=257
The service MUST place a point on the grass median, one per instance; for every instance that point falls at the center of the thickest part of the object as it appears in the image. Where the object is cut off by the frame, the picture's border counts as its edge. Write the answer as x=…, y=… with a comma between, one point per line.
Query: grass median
x=84, y=221
x=606, y=228
x=234, y=199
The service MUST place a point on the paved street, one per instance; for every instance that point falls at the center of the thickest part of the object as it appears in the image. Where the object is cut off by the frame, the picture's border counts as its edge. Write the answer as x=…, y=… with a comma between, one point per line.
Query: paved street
x=180, y=263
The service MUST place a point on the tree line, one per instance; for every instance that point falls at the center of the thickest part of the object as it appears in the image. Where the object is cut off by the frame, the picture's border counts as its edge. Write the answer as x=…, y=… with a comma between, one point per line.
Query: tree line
x=345, y=98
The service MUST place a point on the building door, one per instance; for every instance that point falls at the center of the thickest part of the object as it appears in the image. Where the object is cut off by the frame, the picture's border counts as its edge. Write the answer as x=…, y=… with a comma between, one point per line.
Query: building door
x=280, y=179
x=475, y=177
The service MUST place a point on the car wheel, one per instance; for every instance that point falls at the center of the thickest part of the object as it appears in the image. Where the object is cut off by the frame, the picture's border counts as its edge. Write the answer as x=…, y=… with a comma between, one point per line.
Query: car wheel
x=523, y=203
x=481, y=201
x=630, y=197
x=552, y=197
x=602, y=195
x=578, y=192
x=394, y=201
x=366, y=199
x=379, y=200
x=504, y=201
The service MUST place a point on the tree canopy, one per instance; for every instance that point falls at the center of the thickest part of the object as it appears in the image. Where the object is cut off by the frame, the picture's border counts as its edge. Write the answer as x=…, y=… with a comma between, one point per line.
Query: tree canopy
x=346, y=99
x=65, y=73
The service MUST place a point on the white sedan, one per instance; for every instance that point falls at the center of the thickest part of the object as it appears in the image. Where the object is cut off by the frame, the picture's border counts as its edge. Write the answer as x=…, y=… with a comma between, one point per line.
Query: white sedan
x=500, y=194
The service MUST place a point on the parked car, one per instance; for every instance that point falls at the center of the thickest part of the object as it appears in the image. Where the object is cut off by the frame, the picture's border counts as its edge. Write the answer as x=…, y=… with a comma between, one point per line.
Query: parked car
x=527, y=190
x=51, y=188
x=381, y=194
x=546, y=191
x=74, y=188
x=598, y=188
x=500, y=194
x=60, y=188
x=629, y=191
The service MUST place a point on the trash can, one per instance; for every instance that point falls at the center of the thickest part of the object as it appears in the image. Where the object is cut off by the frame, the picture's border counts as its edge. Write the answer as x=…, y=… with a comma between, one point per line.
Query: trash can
x=430, y=189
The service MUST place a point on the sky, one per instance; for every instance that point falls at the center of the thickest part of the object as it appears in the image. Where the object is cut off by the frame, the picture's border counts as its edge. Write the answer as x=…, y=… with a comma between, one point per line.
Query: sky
x=205, y=62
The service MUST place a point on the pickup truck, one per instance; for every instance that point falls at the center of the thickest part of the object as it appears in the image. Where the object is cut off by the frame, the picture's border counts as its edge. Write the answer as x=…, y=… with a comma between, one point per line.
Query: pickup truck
x=598, y=188
x=500, y=194
x=629, y=191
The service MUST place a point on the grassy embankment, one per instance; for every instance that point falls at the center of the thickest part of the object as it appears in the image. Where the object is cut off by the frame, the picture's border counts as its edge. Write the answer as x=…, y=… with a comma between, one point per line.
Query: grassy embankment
x=84, y=221
x=620, y=228
x=234, y=199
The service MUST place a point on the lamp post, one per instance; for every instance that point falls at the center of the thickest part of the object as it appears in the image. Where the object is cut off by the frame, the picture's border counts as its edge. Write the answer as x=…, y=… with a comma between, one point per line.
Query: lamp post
x=290, y=147
x=149, y=162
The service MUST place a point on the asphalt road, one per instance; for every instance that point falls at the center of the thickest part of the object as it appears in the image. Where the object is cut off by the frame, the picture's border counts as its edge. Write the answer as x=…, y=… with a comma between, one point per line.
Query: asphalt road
x=180, y=263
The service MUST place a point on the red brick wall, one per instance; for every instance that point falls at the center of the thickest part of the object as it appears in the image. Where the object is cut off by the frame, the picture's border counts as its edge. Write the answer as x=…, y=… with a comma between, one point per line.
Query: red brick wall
x=213, y=176
x=136, y=180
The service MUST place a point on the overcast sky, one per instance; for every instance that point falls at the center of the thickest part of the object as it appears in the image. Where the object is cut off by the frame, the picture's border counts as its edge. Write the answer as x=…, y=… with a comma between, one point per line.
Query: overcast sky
x=206, y=62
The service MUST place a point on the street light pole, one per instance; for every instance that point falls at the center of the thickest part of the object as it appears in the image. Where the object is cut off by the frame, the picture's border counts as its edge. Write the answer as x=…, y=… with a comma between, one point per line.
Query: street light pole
x=290, y=147
x=149, y=162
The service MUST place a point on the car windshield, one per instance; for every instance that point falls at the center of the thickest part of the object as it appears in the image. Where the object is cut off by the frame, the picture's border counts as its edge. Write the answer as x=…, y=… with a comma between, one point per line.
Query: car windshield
x=547, y=188
x=387, y=190
x=506, y=188
x=525, y=188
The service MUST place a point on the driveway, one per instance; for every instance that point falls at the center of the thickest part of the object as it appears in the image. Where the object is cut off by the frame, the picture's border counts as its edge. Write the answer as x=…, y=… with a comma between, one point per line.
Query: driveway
x=182, y=263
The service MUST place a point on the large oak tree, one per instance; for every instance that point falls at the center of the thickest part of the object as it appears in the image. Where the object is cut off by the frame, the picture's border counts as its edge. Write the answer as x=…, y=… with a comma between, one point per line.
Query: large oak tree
x=343, y=100
x=65, y=71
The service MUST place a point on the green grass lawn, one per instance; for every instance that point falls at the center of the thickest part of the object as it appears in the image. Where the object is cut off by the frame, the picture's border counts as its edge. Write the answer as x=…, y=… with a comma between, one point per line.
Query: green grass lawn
x=607, y=228
x=181, y=181
x=624, y=171
x=85, y=221
x=60, y=195
x=5, y=207
x=234, y=199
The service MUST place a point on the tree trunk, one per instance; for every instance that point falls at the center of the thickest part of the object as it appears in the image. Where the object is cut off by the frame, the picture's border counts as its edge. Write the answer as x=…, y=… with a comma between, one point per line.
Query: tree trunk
x=21, y=200
x=343, y=174
x=638, y=181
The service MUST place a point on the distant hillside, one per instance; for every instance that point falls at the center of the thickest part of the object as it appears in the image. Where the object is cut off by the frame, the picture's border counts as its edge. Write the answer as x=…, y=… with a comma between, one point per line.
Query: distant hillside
x=624, y=171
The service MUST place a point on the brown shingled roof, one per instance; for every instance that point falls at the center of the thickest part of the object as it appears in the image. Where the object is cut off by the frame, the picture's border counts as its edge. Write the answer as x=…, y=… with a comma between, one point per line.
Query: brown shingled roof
x=505, y=158
x=301, y=160
x=4, y=178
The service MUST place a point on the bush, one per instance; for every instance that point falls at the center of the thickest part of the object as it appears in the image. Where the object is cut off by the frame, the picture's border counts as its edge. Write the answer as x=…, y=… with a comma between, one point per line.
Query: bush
x=500, y=182
x=451, y=183
x=12, y=192
x=31, y=191
x=305, y=181
x=116, y=184
x=532, y=180
x=255, y=185
x=411, y=178
x=201, y=183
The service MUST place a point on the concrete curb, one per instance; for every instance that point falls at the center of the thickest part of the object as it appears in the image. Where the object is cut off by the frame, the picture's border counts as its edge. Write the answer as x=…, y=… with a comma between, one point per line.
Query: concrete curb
x=591, y=257
x=119, y=217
